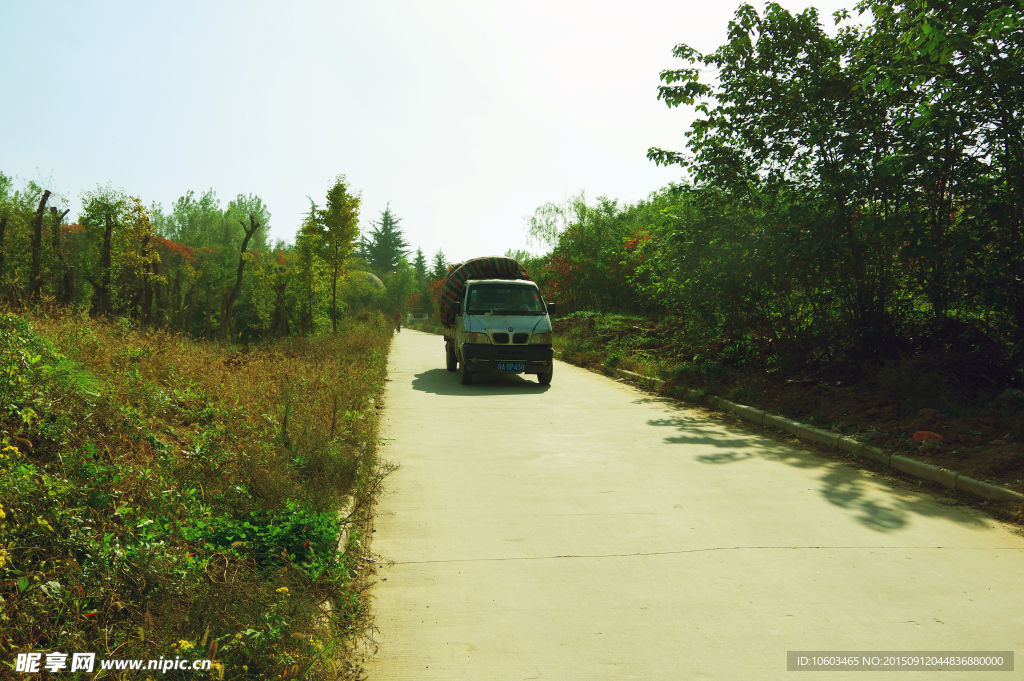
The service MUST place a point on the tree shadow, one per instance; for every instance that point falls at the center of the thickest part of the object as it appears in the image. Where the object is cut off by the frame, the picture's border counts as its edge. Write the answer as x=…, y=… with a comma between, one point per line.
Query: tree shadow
x=841, y=485
x=486, y=383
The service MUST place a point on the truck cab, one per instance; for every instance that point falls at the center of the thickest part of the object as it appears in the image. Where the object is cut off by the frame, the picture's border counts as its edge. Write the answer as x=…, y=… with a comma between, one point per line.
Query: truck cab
x=501, y=325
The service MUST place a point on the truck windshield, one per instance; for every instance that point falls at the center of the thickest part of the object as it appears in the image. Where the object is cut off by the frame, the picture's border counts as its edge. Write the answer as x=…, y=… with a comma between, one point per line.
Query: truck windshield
x=504, y=299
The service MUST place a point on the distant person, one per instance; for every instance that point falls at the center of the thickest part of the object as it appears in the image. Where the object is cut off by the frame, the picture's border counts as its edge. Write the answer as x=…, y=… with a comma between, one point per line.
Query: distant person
x=398, y=321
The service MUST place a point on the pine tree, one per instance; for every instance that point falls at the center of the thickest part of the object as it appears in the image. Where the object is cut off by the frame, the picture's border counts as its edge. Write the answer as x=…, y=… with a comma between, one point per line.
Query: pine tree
x=386, y=246
x=440, y=270
x=420, y=263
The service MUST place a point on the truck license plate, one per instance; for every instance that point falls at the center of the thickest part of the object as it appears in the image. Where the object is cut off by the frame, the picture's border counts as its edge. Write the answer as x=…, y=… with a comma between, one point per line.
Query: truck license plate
x=511, y=366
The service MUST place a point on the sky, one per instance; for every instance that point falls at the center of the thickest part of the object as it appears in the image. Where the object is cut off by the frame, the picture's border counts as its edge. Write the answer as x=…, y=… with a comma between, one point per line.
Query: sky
x=463, y=115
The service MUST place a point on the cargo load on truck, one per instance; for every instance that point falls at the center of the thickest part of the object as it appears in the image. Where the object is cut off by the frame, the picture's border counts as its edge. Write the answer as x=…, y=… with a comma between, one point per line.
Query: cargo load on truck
x=493, y=267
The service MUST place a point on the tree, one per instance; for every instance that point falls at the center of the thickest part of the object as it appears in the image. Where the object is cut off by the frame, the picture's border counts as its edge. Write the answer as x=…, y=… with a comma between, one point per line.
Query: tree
x=117, y=260
x=332, y=230
x=961, y=142
x=240, y=210
x=35, y=277
x=5, y=210
x=232, y=296
x=440, y=268
x=196, y=222
x=386, y=246
x=518, y=255
x=420, y=263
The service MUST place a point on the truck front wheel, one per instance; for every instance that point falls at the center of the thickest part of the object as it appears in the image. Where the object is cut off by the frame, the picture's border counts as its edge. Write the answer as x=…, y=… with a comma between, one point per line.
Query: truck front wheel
x=465, y=375
x=451, y=361
x=545, y=379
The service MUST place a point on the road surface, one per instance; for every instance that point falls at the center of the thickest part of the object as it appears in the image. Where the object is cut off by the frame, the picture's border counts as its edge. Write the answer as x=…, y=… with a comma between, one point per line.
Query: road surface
x=587, y=530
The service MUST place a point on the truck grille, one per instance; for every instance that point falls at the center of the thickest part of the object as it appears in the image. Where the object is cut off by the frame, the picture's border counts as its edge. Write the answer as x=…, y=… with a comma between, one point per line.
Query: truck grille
x=514, y=355
x=520, y=338
x=500, y=338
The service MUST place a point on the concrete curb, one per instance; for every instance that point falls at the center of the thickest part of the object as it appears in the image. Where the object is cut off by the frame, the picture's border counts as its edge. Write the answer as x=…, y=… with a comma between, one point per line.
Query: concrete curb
x=343, y=517
x=656, y=382
x=986, y=490
x=919, y=469
x=853, y=448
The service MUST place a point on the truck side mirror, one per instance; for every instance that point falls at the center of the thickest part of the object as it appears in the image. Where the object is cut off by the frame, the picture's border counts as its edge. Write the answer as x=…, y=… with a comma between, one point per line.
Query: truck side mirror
x=551, y=309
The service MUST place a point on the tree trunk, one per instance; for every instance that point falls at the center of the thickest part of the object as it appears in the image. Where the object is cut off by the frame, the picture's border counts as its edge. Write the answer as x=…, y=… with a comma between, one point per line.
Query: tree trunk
x=232, y=295
x=34, y=281
x=334, y=299
x=207, y=329
x=147, y=284
x=67, y=289
x=3, y=236
x=58, y=222
x=60, y=274
x=108, y=232
x=188, y=308
x=176, y=316
x=158, y=295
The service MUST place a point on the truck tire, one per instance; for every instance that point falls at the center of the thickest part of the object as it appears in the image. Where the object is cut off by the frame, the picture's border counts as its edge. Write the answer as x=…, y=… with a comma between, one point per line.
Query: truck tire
x=465, y=375
x=451, y=361
x=545, y=379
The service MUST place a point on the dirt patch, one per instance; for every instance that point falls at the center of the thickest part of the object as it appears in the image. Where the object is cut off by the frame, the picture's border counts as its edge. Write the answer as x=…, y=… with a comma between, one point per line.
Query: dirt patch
x=987, y=445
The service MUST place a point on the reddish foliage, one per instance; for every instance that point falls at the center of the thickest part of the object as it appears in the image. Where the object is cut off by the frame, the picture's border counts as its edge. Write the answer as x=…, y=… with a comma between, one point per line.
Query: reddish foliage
x=168, y=247
x=436, y=287
x=636, y=239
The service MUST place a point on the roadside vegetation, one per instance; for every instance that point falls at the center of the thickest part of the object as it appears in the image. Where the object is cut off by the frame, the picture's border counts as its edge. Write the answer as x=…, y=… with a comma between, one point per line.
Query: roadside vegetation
x=164, y=496
x=847, y=246
x=188, y=429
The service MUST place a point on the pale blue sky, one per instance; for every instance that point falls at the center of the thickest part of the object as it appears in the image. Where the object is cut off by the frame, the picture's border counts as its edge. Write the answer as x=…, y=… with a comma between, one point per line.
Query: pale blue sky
x=465, y=114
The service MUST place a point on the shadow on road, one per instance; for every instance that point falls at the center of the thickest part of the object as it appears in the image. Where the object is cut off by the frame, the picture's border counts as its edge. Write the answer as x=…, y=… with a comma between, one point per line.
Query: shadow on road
x=444, y=382
x=841, y=485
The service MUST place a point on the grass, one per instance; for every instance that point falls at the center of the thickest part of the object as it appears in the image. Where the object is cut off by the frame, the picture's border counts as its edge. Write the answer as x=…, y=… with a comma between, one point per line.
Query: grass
x=163, y=496
x=615, y=341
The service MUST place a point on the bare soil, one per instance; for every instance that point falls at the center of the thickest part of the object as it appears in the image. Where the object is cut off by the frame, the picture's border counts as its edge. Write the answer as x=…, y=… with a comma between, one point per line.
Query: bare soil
x=987, y=446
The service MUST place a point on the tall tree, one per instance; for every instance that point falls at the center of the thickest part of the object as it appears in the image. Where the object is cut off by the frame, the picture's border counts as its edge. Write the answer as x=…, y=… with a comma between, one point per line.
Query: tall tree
x=440, y=269
x=35, y=277
x=420, y=263
x=386, y=246
x=229, y=303
x=333, y=230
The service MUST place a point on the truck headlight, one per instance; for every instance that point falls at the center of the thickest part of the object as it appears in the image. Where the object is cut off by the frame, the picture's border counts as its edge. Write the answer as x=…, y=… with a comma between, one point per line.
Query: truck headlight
x=540, y=339
x=479, y=338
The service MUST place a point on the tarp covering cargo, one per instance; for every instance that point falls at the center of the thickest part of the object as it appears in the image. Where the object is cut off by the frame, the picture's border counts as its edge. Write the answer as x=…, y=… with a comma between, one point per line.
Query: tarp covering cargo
x=494, y=267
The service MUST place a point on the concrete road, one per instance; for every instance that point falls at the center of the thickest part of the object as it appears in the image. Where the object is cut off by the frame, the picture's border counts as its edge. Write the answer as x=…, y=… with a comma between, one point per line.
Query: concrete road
x=587, y=530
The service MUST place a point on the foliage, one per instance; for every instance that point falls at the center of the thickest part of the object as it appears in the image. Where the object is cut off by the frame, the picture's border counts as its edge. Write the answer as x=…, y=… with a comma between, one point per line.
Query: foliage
x=332, y=231
x=439, y=269
x=385, y=247
x=854, y=197
x=163, y=494
x=186, y=269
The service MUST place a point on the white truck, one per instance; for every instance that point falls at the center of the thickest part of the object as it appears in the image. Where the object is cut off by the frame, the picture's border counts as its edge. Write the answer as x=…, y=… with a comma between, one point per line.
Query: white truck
x=495, y=319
